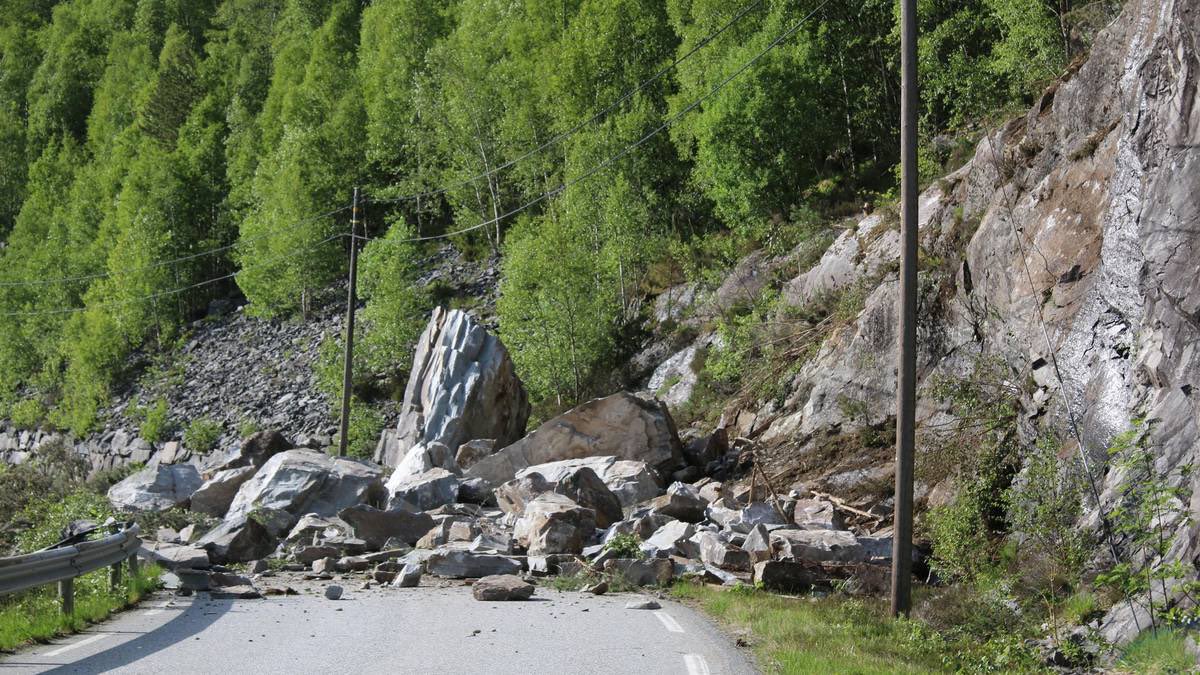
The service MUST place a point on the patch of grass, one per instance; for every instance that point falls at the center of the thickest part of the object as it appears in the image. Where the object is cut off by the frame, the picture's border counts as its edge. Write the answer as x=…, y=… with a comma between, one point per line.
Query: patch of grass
x=1161, y=653
x=36, y=615
x=810, y=635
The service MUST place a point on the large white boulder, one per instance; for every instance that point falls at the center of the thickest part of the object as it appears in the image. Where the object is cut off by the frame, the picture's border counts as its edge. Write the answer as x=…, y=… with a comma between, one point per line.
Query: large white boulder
x=463, y=387
x=156, y=488
x=621, y=425
x=299, y=482
x=422, y=492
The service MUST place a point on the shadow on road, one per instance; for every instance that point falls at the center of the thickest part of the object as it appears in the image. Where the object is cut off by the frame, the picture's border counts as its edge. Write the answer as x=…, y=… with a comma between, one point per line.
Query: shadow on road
x=198, y=616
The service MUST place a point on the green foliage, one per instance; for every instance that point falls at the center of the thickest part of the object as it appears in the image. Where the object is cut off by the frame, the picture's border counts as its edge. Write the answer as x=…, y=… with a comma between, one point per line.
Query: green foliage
x=626, y=546
x=1163, y=652
x=202, y=435
x=28, y=413
x=36, y=615
x=53, y=472
x=828, y=634
x=366, y=424
x=138, y=132
x=1151, y=509
x=156, y=424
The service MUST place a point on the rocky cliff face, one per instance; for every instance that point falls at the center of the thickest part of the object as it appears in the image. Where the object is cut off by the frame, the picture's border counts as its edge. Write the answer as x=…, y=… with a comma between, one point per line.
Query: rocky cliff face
x=1066, y=249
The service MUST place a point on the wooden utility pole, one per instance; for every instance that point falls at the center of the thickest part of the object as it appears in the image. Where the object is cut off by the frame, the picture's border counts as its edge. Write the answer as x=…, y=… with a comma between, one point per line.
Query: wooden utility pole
x=906, y=381
x=348, y=358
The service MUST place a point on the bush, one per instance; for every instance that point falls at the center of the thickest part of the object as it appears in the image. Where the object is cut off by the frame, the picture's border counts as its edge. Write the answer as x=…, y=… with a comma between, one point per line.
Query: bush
x=47, y=477
x=366, y=424
x=202, y=435
x=28, y=413
x=156, y=423
x=626, y=546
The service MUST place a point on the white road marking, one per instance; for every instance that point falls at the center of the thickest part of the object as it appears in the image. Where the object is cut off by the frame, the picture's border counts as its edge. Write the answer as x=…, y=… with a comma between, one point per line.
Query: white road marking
x=86, y=641
x=696, y=665
x=669, y=621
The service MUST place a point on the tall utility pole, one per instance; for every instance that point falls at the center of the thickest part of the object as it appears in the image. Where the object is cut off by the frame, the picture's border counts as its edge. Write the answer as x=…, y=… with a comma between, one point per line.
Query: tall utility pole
x=906, y=382
x=351, y=305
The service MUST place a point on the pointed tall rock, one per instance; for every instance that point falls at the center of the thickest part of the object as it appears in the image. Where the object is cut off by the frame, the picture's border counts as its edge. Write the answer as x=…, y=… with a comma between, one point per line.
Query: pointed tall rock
x=463, y=387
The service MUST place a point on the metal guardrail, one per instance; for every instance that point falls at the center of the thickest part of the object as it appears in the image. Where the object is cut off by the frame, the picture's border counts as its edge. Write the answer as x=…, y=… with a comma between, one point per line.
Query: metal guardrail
x=65, y=563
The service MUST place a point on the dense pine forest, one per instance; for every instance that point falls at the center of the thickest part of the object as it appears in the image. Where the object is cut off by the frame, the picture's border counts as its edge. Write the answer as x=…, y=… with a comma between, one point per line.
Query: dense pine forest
x=160, y=154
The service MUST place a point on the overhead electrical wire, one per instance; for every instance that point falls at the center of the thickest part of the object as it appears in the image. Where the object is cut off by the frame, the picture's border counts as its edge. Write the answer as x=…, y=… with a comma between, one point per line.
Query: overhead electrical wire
x=625, y=152
x=175, y=291
x=174, y=261
x=558, y=138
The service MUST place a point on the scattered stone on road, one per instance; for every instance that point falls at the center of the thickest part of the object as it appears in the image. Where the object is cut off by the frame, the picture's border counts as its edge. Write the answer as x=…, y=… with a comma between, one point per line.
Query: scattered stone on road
x=502, y=587
x=643, y=604
x=333, y=592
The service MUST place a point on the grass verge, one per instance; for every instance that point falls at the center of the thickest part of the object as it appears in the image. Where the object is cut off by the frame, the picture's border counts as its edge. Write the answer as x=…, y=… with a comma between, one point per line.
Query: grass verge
x=35, y=616
x=1161, y=653
x=818, y=635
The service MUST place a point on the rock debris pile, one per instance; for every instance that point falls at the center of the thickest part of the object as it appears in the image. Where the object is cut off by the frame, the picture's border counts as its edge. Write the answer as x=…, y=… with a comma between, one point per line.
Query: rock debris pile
x=588, y=494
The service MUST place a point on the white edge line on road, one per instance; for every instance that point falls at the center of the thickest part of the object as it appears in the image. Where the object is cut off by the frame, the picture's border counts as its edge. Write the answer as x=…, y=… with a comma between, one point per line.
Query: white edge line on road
x=669, y=621
x=696, y=665
x=73, y=645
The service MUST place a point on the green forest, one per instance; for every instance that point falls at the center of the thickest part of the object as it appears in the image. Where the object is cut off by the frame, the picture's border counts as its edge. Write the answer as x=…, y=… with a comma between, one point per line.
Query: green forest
x=159, y=154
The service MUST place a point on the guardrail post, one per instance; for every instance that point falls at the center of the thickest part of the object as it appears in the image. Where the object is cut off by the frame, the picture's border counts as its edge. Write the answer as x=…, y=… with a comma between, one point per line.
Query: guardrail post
x=114, y=576
x=133, y=566
x=66, y=592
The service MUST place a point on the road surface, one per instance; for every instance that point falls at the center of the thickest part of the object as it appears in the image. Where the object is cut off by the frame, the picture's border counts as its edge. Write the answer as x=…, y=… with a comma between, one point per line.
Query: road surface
x=423, y=630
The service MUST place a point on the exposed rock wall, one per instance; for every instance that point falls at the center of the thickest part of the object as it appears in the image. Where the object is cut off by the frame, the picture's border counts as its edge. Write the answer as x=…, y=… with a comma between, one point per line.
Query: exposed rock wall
x=1083, y=213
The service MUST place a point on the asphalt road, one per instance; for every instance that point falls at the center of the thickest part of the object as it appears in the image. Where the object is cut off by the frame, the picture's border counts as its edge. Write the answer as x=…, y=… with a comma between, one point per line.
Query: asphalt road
x=423, y=630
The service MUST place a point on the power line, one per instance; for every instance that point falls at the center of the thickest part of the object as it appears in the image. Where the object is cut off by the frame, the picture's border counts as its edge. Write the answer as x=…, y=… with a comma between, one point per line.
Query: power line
x=554, y=140
x=164, y=263
x=530, y=153
x=627, y=150
x=176, y=291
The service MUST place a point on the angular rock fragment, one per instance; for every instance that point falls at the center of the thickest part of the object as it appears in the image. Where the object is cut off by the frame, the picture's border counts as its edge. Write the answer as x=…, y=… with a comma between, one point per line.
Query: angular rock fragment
x=471, y=452
x=783, y=575
x=463, y=387
x=216, y=494
x=238, y=541
x=553, y=523
x=303, y=481
x=501, y=587
x=817, y=514
x=172, y=556
x=466, y=565
x=156, y=488
x=409, y=576
x=653, y=572
x=819, y=545
x=621, y=425
x=580, y=484
x=758, y=544
x=682, y=502
x=674, y=538
x=715, y=551
x=376, y=526
x=422, y=492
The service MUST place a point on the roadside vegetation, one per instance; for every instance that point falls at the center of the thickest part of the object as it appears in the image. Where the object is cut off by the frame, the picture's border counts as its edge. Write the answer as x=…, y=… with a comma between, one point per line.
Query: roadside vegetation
x=39, y=500
x=838, y=633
